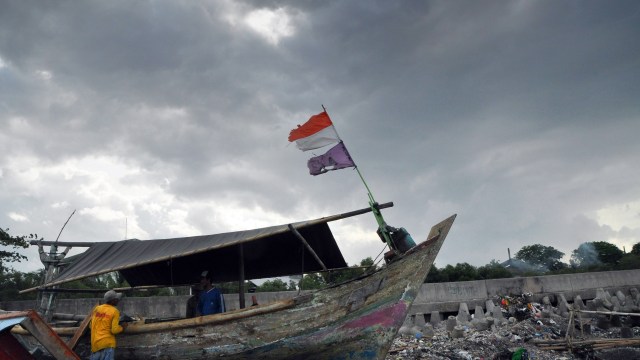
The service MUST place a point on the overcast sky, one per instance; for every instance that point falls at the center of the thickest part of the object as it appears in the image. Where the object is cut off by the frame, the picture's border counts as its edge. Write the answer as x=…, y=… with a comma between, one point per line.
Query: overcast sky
x=160, y=119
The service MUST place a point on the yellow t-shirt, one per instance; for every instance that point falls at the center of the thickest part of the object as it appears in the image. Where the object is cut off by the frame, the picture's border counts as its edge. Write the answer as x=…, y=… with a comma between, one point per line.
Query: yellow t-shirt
x=104, y=327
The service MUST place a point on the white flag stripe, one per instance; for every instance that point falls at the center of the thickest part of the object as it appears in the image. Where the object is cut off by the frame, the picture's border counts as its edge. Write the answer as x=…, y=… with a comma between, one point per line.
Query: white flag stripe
x=324, y=137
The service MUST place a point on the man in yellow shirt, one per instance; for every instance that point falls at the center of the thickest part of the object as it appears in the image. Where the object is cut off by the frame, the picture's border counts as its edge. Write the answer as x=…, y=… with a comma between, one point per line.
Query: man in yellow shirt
x=104, y=327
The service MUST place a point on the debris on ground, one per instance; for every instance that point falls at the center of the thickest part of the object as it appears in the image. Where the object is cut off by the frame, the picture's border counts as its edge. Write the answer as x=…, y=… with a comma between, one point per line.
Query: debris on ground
x=514, y=327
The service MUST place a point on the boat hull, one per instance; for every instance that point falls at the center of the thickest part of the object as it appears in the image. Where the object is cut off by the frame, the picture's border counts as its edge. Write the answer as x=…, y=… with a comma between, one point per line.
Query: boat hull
x=355, y=320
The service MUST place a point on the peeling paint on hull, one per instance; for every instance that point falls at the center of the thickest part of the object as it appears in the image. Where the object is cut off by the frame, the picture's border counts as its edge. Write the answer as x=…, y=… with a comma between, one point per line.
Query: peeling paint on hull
x=354, y=320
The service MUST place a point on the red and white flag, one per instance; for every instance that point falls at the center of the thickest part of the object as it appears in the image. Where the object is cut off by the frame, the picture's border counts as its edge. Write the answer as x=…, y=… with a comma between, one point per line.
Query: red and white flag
x=317, y=132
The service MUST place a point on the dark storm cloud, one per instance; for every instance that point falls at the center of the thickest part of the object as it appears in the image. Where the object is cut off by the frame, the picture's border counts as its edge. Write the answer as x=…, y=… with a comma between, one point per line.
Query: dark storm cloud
x=520, y=116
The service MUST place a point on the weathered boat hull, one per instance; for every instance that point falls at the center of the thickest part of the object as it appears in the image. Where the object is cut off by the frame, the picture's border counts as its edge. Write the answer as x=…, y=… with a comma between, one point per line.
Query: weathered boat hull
x=355, y=320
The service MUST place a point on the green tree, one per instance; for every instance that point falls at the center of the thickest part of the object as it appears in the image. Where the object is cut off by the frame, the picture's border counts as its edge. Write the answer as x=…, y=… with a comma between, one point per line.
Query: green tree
x=15, y=242
x=460, y=272
x=544, y=256
x=629, y=262
x=433, y=276
x=292, y=285
x=13, y=281
x=342, y=275
x=272, y=285
x=590, y=254
x=635, y=250
x=312, y=281
x=493, y=270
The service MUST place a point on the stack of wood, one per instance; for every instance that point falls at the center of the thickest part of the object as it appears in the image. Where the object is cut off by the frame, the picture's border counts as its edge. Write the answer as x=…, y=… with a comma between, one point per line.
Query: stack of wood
x=594, y=344
x=570, y=344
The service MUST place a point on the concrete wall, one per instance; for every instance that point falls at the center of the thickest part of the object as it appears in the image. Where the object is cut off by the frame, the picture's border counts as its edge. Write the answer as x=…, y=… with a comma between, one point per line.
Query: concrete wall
x=444, y=297
x=156, y=306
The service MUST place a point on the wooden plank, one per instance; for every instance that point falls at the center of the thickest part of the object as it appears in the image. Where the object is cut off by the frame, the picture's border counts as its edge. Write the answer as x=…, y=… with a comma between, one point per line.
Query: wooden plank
x=47, y=337
x=306, y=244
x=81, y=330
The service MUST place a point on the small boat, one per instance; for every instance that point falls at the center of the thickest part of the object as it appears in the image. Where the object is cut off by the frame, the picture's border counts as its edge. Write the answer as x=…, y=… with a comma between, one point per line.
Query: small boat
x=357, y=319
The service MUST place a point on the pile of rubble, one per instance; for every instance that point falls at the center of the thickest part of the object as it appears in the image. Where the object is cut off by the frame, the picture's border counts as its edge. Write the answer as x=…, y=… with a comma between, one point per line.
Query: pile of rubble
x=514, y=327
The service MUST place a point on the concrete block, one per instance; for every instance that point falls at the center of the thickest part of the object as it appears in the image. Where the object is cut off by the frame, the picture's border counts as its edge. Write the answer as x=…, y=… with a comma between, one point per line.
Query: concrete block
x=478, y=313
x=621, y=297
x=435, y=318
x=480, y=324
x=497, y=314
x=490, y=321
x=419, y=320
x=489, y=305
x=626, y=332
x=428, y=331
x=563, y=306
x=457, y=332
x=451, y=323
x=463, y=313
x=616, y=304
x=603, y=299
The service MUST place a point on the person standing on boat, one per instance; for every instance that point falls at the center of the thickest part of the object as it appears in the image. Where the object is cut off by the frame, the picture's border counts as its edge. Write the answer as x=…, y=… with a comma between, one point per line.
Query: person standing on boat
x=105, y=327
x=211, y=299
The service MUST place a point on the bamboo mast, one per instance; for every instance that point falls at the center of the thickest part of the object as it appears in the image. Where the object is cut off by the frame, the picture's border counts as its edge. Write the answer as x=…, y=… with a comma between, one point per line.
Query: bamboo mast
x=373, y=204
x=51, y=262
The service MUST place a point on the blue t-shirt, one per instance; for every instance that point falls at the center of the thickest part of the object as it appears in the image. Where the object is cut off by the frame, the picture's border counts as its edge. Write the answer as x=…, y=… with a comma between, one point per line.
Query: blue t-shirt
x=211, y=302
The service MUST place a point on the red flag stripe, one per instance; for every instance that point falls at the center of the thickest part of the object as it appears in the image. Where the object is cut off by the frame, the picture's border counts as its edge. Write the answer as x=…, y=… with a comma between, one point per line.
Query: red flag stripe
x=316, y=123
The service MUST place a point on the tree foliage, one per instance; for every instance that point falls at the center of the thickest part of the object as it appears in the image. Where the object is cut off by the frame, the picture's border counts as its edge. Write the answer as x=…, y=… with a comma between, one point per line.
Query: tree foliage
x=11, y=282
x=11, y=242
x=493, y=270
x=539, y=255
x=312, y=282
x=273, y=285
x=342, y=275
x=635, y=250
x=460, y=272
x=593, y=254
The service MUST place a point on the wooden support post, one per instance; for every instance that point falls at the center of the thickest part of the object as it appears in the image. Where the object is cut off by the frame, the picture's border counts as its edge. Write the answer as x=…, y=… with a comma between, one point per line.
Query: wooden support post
x=299, y=236
x=241, y=277
x=81, y=330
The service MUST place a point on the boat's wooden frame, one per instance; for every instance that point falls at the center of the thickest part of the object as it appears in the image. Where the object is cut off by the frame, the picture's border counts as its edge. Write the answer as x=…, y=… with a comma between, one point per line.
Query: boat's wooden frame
x=354, y=320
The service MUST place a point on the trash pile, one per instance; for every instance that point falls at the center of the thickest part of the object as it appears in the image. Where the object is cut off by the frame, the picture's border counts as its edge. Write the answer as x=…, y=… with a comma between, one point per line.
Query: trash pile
x=514, y=327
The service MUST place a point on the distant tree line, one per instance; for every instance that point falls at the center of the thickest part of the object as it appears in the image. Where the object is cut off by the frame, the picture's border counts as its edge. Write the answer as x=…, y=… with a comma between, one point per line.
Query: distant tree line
x=530, y=260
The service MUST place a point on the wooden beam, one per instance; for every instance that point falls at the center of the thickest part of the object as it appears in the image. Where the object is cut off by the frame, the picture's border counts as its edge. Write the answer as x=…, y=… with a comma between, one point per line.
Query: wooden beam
x=299, y=236
x=62, y=243
x=356, y=212
x=81, y=330
x=47, y=337
x=241, y=276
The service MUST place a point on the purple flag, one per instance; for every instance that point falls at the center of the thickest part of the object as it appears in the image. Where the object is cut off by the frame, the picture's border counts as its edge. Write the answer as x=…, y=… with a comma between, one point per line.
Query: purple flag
x=336, y=158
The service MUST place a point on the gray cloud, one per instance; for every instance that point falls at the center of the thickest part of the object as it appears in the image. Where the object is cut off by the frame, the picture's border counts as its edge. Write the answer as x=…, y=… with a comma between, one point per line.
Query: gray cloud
x=522, y=117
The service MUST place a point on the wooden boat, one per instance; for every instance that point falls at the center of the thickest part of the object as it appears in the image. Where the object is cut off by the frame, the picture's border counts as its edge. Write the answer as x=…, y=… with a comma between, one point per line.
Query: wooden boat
x=357, y=319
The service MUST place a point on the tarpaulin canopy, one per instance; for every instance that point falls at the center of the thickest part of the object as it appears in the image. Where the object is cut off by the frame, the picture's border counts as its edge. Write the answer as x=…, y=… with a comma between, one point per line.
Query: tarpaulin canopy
x=266, y=252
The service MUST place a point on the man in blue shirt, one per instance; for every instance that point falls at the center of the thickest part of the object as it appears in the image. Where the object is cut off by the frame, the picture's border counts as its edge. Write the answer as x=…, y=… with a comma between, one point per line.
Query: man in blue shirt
x=211, y=299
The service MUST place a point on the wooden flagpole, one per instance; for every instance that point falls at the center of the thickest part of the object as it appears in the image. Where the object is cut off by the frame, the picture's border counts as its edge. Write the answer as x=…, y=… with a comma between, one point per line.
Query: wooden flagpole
x=382, y=225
